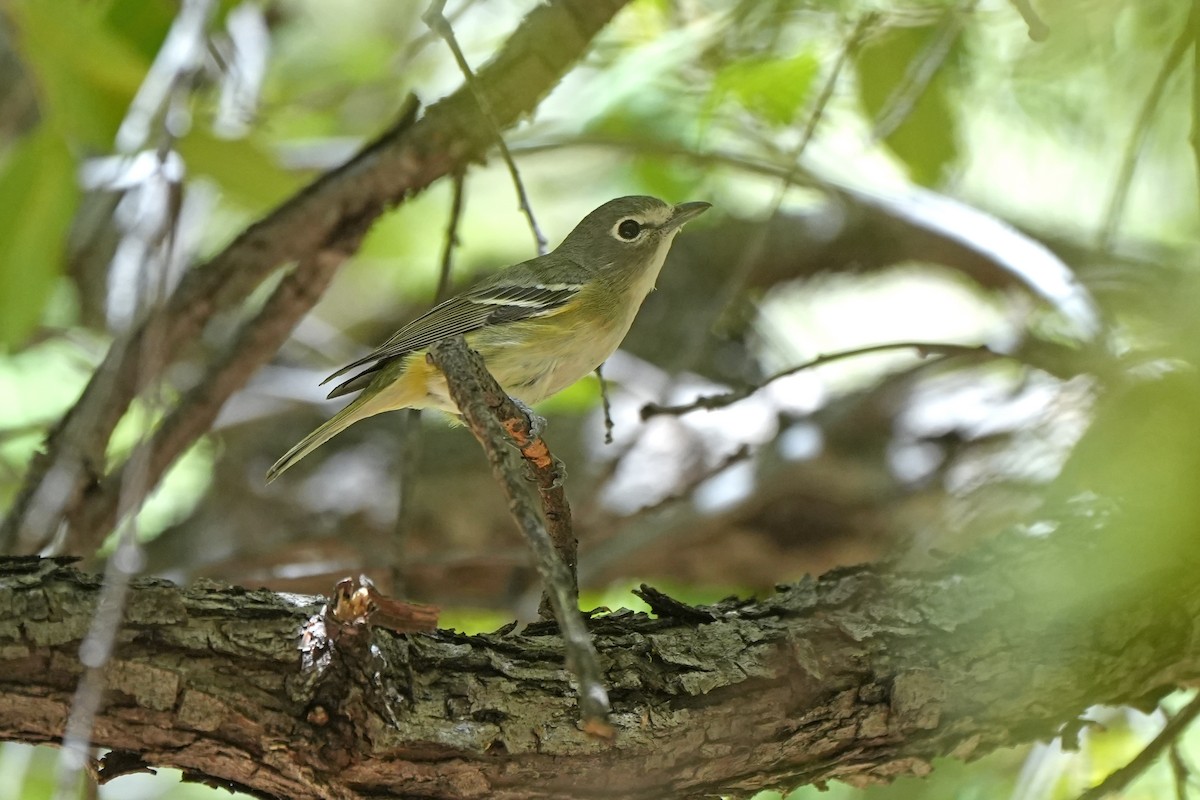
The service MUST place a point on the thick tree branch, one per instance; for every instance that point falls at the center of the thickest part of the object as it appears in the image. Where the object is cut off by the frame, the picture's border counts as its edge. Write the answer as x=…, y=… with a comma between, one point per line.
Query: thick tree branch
x=861, y=675
x=399, y=164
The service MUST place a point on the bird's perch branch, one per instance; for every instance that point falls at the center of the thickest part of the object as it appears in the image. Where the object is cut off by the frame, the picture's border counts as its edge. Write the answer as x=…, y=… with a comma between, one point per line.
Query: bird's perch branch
x=499, y=424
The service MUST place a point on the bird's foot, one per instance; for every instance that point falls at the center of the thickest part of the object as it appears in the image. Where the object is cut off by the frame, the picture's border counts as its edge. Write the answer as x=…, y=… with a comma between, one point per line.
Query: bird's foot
x=537, y=423
x=559, y=471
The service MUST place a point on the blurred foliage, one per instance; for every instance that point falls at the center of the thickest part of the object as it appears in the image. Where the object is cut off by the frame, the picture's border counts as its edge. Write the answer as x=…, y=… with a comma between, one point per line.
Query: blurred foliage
x=686, y=100
x=889, y=81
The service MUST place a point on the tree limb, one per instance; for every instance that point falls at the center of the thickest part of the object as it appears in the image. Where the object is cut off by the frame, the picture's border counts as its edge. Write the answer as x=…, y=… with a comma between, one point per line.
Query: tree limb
x=862, y=675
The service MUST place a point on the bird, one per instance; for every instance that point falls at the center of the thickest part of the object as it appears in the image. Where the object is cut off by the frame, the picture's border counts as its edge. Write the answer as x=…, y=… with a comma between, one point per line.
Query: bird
x=539, y=325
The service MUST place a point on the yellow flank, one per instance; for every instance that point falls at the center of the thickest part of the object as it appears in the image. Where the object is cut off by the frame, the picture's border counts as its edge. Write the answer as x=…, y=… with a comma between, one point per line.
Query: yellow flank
x=540, y=325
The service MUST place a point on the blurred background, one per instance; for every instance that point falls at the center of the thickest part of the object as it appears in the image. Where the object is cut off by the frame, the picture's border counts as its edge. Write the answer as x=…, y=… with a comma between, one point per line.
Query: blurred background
x=882, y=171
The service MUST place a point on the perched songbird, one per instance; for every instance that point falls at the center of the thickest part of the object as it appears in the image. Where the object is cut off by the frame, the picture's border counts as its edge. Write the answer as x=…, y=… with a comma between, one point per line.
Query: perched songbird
x=539, y=325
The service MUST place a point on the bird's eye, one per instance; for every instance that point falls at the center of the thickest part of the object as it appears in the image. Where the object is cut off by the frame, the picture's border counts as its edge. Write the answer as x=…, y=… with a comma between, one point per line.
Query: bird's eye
x=629, y=229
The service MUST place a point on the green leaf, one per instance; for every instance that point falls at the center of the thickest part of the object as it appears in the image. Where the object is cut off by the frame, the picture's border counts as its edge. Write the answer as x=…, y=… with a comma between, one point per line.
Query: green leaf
x=85, y=72
x=240, y=167
x=773, y=89
x=926, y=141
x=664, y=177
x=39, y=193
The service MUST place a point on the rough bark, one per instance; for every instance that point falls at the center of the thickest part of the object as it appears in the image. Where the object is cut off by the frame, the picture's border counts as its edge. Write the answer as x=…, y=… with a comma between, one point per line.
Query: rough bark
x=861, y=675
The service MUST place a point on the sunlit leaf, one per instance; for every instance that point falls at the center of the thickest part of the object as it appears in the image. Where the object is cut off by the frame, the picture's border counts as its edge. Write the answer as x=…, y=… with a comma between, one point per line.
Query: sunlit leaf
x=665, y=178
x=771, y=88
x=143, y=25
x=925, y=139
x=240, y=167
x=640, y=94
x=39, y=195
x=86, y=74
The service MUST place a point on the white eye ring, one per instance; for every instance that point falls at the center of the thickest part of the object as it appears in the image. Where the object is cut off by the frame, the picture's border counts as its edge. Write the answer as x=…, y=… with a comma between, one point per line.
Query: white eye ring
x=628, y=229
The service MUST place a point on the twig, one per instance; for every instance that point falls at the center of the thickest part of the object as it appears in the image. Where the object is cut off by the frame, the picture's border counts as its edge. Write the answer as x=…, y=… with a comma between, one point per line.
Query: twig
x=496, y=421
x=437, y=22
x=1179, y=771
x=456, y=208
x=428, y=37
x=384, y=173
x=1124, y=776
x=410, y=438
x=853, y=42
x=606, y=405
x=660, y=521
x=919, y=74
x=1141, y=127
x=753, y=251
x=667, y=607
x=690, y=485
x=1038, y=30
x=711, y=402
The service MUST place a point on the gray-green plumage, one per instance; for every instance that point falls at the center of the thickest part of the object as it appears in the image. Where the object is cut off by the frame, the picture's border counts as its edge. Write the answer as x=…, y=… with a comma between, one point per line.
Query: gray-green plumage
x=540, y=325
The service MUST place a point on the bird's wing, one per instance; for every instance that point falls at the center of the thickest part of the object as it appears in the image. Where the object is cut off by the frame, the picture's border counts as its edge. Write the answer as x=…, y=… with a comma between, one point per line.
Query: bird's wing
x=510, y=297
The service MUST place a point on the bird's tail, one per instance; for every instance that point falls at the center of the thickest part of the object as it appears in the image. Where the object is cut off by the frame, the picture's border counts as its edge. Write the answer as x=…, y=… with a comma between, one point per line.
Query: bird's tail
x=335, y=425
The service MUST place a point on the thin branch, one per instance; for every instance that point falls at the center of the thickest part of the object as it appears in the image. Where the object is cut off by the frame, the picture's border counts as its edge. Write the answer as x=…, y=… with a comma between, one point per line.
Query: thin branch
x=753, y=251
x=683, y=492
x=919, y=74
x=712, y=402
x=1180, y=773
x=851, y=46
x=428, y=37
x=390, y=169
x=116, y=496
x=605, y=405
x=438, y=23
x=1141, y=127
x=1170, y=733
x=1038, y=30
x=456, y=208
x=496, y=422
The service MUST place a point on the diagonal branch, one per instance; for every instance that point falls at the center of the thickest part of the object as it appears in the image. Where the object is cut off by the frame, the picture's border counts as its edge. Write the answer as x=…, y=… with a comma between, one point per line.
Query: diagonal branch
x=399, y=164
x=497, y=421
x=1141, y=129
x=437, y=22
x=715, y=401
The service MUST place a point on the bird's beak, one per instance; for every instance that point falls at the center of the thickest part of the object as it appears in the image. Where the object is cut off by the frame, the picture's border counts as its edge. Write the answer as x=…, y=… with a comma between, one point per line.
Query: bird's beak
x=684, y=212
